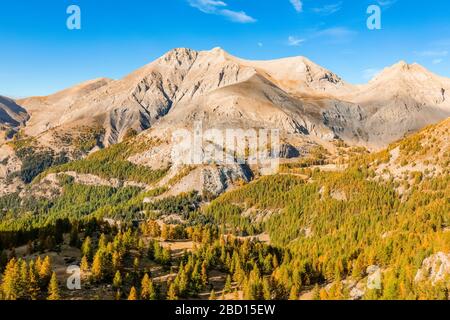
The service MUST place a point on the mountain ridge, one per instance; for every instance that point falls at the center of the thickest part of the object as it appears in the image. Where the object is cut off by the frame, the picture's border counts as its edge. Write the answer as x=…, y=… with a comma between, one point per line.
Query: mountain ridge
x=291, y=90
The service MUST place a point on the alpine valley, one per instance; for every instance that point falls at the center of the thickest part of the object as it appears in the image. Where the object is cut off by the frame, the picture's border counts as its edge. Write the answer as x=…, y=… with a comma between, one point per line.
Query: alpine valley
x=358, y=209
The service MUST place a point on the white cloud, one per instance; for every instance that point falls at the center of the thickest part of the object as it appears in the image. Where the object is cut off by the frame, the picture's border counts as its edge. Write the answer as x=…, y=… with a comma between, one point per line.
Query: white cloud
x=298, y=5
x=437, y=61
x=217, y=7
x=260, y=44
x=328, y=9
x=294, y=41
x=237, y=16
x=207, y=6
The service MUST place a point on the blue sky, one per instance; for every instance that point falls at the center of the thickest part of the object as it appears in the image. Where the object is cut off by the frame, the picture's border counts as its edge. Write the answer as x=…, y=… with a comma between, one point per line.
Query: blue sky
x=39, y=55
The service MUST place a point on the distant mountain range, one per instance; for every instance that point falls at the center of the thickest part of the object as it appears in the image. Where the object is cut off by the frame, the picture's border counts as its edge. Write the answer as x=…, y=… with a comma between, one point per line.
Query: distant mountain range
x=293, y=94
x=312, y=107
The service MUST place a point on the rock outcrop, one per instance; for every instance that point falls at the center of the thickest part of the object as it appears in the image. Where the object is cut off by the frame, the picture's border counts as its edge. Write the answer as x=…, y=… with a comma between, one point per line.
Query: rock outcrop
x=435, y=268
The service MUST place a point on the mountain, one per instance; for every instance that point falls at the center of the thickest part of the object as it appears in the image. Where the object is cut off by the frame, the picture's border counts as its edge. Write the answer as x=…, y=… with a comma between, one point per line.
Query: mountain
x=186, y=81
x=12, y=116
x=95, y=165
x=56, y=110
x=292, y=94
x=402, y=99
x=311, y=106
x=426, y=154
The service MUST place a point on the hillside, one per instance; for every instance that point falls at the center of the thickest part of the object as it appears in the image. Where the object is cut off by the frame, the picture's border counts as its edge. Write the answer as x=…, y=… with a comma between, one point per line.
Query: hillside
x=12, y=117
x=313, y=107
x=401, y=100
x=323, y=232
x=89, y=176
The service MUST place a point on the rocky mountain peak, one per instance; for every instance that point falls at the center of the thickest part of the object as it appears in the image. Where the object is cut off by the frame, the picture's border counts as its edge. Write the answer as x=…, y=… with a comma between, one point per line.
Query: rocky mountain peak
x=404, y=71
x=179, y=56
x=292, y=93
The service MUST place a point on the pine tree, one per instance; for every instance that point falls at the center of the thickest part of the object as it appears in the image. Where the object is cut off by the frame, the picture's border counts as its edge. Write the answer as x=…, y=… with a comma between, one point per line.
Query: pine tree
x=24, y=280
x=293, y=295
x=153, y=291
x=147, y=288
x=11, y=281
x=204, y=274
x=45, y=272
x=136, y=264
x=53, y=290
x=166, y=257
x=84, y=266
x=172, y=294
x=116, y=260
x=33, y=289
x=102, y=242
x=228, y=285
x=390, y=286
x=133, y=294
x=267, y=292
x=239, y=274
x=117, y=281
x=195, y=282
x=97, y=266
x=275, y=262
x=247, y=290
x=38, y=264
x=182, y=281
x=165, y=233
x=86, y=248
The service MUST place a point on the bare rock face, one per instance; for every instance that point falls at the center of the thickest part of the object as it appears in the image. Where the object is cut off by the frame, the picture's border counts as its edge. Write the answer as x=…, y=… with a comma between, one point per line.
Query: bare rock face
x=435, y=268
x=401, y=100
x=217, y=180
x=11, y=114
x=288, y=151
x=208, y=180
x=185, y=85
x=12, y=117
x=9, y=163
x=293, y=95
